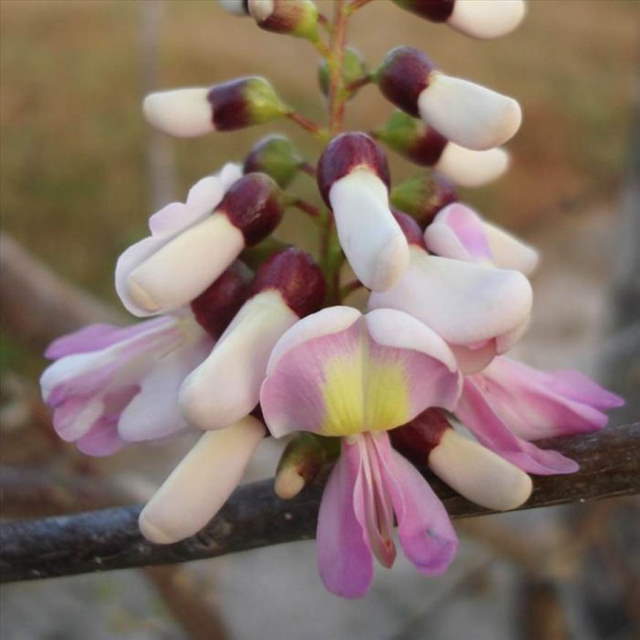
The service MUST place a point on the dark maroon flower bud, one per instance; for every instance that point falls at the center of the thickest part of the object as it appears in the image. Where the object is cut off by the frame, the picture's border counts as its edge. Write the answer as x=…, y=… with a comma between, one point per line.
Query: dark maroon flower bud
x=423, y=195
x=403, y=76
x=347, y=152
x=194, y=111
x=253, y=205
x=434, y=10
x=416, y=439
x=296, y=276
x=410, y=228
x=215, y=307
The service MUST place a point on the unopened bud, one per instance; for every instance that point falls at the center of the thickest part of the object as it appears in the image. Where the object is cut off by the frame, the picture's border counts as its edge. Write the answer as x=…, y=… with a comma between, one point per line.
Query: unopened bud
x=301, y=462
x=411, y=229
x=292, y=17
x=215, y=307
x=354, y=68
x=423, y=195
x=463, y=112
x=465, y=465
x=237, y=7
x=476, y=18
x=353, y=178
x=236, y=104
x=226, y=385
x=276, y=156
x=201, y=483
x=188, y=263
x=425, y=146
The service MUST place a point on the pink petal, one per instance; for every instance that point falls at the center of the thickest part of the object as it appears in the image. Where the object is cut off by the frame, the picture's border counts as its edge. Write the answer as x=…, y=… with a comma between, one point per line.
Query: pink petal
x=536, y=404
x=345, y=562
x=102, y=439
x=96, y=337
x=458, y=232
x=477, y=414
x=426, y=534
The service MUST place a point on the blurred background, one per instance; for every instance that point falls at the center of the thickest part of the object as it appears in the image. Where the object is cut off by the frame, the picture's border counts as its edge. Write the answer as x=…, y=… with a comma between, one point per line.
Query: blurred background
x=80, y=174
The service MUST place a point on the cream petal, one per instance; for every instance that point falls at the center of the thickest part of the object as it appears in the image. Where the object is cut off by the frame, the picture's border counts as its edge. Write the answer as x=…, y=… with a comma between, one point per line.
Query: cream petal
x=469, y=168
x=226, y=385
x=469, y=114
x=201, y=483
x=486, y=18
x=509, y=252
x=184, y=113
x=371, y=238
x=185, y=266
x=479, y=474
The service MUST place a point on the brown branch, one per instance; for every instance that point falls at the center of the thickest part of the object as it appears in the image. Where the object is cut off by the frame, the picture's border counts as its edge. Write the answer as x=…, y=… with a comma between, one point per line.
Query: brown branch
x=254, y=517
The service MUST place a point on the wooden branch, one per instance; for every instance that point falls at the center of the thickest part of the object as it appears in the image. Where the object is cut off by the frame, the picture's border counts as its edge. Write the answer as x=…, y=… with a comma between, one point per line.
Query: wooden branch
x=254, y=517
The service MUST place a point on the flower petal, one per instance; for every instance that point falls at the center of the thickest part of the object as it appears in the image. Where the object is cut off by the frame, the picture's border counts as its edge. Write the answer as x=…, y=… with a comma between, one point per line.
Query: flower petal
x=465, y=303
x=469, y=168
x=475, y=412
x=468, y=114
x=154, y=412
x=486, y=18
x=226, y=385
x=345, y=562
x=426, y=534
x=200, y=485
x=184, y=112
x=537, y=404
x=371, y=238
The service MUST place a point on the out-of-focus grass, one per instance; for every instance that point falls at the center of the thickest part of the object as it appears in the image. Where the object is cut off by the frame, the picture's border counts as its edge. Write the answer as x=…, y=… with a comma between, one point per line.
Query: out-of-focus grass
x=73, y=141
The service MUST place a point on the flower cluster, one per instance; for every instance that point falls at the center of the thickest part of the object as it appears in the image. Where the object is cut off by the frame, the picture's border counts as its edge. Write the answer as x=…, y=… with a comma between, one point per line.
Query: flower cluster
x=249, y=337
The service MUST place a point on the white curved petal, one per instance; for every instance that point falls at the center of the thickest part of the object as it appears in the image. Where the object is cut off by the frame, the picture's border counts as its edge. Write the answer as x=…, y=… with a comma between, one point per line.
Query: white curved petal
x=154, y=411
x=322, y=323
x=509, y=252
x=237, y=7
x=465, y=303
x=184, y=267
x=180, y=112
x=371, y=238
x=469, y=168
x=467, y=113
x=200, y=485
x=479, y=474
x=226, y=385
x=487, y=18
x=392, y=328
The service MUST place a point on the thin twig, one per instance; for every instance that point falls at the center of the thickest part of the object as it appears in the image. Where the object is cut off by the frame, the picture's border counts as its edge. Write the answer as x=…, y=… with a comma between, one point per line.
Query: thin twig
x=254, y=517
x=306, y=123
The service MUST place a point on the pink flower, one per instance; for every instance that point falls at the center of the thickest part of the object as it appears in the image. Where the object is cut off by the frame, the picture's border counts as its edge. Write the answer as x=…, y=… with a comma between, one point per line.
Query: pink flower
x=508, y=404
x=339, y=373
x=110, y=385
x=370, y=484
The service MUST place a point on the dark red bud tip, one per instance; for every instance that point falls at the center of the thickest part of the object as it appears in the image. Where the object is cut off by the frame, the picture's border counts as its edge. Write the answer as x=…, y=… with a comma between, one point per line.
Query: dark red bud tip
x=427, y=149
x=296, y=276
x=416, y=439
x=410, y=228
x=434, y=10
x=347, y=152
x=253, y=204
x=444, y=193
x=402, y=77
x=216, y=306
